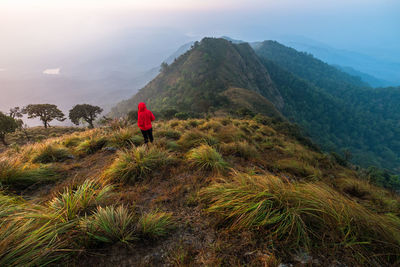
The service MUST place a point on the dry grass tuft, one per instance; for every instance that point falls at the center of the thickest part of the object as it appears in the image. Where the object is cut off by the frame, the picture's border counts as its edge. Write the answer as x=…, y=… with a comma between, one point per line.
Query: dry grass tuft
x=305, y=215
x=136, y=163
x=207, y=158
x=155, y=224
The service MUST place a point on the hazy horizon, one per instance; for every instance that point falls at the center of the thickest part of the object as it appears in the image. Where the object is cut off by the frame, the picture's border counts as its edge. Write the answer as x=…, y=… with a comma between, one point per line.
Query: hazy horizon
x=88, y=40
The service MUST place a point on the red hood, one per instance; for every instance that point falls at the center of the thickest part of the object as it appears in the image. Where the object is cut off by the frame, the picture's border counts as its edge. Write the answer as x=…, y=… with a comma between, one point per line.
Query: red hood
x=142, y=107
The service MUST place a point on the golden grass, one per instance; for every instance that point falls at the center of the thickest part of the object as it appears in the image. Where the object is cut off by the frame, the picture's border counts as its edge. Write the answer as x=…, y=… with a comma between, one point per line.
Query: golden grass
x=15, y=175
x=74, y=202
x=155, y=224
x=355, y=216
x=194, y=138
x=297, y=168
x=240, y=149
x=302, y=215
x=111, y=224
x=47, y=153
x=206, y=158
x=136, y=163
x=31, y=235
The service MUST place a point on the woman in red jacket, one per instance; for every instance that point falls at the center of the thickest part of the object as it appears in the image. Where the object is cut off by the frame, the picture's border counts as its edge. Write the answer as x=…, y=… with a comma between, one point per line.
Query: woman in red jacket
x=145, y=117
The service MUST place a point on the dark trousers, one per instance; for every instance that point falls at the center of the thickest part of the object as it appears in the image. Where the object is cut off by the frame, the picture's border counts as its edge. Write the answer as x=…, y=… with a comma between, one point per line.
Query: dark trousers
x=148, y=134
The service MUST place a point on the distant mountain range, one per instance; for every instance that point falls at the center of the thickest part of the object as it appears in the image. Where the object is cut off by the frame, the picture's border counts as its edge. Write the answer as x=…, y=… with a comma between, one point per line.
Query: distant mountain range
x=339, y=111
x=376, y=72
x=116, y=71
x=384, y=72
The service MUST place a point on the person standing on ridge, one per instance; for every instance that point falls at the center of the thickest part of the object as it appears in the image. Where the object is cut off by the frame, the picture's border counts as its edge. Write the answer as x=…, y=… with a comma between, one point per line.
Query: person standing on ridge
x=145, y=117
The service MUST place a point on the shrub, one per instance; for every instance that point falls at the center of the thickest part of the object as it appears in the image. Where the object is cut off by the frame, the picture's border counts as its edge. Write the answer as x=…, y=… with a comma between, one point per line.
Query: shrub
x=111, y=224
x=168, y=113
x=50, y=153
x=155, y=224
x=245, y=112
x=136, y=163
x=207, y=158
x=182, y=115
x=74, y=202
x=132, y=116
x=301, y=215
x=262, y=119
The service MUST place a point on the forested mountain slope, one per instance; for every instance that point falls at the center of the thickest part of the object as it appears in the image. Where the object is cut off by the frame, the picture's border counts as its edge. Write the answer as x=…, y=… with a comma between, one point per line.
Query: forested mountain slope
x=337, y=109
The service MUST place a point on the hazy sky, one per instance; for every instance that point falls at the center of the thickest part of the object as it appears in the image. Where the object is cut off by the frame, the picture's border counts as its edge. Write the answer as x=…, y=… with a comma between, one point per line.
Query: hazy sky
x=32, y=28
x=84, y=40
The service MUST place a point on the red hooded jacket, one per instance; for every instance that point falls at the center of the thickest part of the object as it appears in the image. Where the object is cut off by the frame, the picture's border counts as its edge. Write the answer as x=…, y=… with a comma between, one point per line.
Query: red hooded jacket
x=145, y=117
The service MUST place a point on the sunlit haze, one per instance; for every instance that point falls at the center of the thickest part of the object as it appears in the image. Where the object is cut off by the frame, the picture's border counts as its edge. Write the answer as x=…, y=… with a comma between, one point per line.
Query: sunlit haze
x=76, y=37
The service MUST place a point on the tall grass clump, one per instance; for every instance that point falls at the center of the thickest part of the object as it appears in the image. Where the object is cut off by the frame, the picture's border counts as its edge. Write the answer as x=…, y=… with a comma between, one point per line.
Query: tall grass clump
x=155, y=224
x=112, y=224
x=136, y=163
x=71, y=141
x=92, y=145
x=48, y=153
x=207, y=158
x=18, y=176
x=229, y=134
x=211, y=125
x=296, y=167
x=306, y=215
x=30, y=235
x=240, y=149
x=170, y=134
x=372, y=196
x=125, y=137
x=194, y=138
x=74, y=202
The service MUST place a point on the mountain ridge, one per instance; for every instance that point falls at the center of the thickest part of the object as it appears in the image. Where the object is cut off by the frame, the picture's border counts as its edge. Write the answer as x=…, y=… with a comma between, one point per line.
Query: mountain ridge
x=203, y=73
x=334, y=108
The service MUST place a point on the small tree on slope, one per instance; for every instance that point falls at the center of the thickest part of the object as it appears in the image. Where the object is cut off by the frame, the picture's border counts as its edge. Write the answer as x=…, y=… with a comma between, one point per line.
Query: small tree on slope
x=84, y=112
x=7, y=125
x=45, y=112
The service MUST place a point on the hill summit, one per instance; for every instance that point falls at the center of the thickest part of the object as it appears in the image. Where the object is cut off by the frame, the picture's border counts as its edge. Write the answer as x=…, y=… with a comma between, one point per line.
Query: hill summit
x=214, y=75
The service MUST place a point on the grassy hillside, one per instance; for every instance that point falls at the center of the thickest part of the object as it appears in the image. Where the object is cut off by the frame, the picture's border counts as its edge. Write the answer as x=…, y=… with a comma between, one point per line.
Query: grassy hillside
x=214, y=192
x=36, y=134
